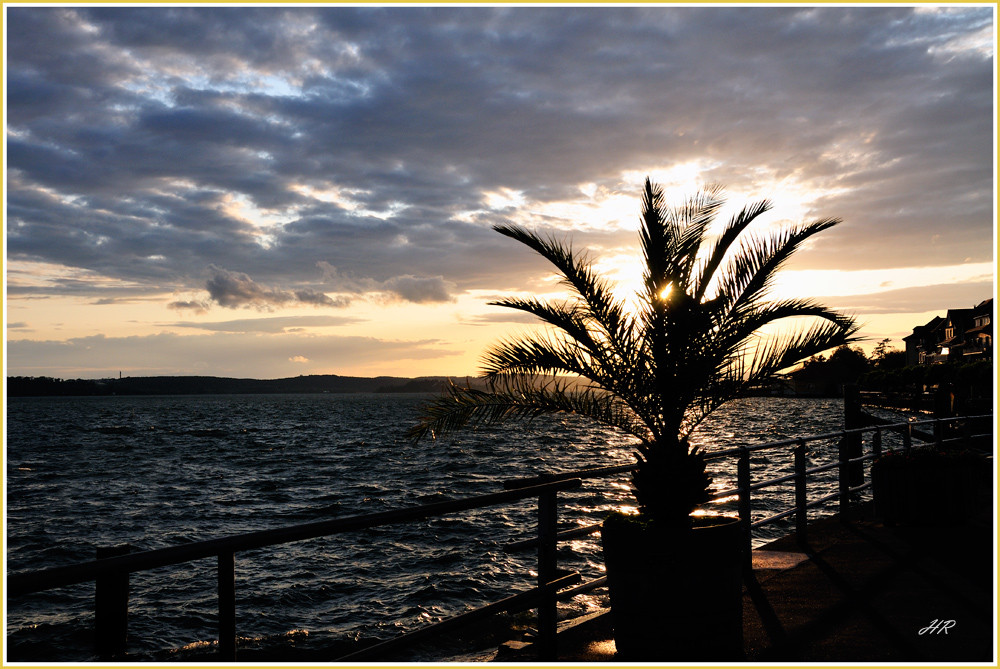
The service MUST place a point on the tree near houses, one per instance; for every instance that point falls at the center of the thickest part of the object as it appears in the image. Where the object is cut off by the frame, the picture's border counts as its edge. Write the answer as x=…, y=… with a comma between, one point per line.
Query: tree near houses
x=655, y=370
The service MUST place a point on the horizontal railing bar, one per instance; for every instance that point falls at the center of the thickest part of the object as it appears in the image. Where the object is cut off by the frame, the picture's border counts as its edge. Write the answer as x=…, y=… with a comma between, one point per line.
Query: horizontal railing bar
x=771, y=482
x=898, y=427
x=815, y=502
x=525, y=544
x=822, y=468
x=728, y=492
x=511, y=602
x=729, y=452
x=784, y=442
x=771, y=519
x=584, y=587
x=823, y=500
x=599, y=472
x=87, y=571
x=950, y=419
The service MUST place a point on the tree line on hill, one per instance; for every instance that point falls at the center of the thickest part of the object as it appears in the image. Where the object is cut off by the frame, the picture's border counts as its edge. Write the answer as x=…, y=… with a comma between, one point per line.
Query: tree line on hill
x=25, y=386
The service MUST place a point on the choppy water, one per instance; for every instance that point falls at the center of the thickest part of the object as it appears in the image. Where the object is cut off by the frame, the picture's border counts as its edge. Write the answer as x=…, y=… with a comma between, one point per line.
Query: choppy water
x=159, y=471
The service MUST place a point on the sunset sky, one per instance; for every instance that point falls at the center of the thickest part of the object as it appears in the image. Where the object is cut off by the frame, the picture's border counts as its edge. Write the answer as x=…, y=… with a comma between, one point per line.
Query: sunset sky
x=273, y=191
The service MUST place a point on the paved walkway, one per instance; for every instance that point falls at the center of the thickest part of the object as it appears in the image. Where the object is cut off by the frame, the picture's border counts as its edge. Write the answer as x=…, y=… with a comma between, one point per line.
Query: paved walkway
x=854, y=592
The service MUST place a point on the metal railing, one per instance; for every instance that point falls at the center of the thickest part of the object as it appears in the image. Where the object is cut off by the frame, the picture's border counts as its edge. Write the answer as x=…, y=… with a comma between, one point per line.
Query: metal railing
x=111, y=573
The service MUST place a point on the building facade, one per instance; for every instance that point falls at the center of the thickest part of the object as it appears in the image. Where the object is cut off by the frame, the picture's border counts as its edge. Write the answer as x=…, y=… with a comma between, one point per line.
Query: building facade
x=963, y=335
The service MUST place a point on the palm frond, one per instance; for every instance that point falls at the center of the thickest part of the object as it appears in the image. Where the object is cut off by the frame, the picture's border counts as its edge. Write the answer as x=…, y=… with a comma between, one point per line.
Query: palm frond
x=522, y=399
x=750, y=273
x=737, y=224
x=783, y=351
x=565, y=317
x=670, y=237
x=692, y=220
x=738, y=327
x=532, y=354
x=603, y=312
x=653, y=239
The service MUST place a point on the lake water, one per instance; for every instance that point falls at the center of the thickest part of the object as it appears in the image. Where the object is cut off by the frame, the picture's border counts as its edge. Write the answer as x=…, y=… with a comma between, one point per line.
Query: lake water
x=159, y=471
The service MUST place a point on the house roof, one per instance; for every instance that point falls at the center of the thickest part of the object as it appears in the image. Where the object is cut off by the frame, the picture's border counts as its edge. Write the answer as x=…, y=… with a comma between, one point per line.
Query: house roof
x=958, y=315
x=924, y=330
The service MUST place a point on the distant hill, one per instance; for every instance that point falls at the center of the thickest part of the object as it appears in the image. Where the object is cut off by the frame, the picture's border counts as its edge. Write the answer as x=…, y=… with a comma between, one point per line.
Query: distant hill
x=23, y=386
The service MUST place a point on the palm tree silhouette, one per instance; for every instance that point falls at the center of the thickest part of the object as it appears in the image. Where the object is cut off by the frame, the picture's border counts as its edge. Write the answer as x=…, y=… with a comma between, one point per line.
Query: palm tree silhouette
x=656, y=371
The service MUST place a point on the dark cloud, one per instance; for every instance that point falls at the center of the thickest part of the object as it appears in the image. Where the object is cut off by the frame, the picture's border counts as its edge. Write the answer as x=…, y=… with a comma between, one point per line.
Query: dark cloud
x=197, y=306
x=420, y=290
x=236, y=289
x=146, y=144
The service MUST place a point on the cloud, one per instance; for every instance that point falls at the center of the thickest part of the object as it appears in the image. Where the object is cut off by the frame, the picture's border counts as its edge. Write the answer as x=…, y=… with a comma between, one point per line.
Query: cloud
x=197, y=306
x=319, y=299
x=236, y=289
x=274, y=324
x=274, y=138
x=299, y=358
x=420, y=290
x=507, y=316
x=408, y=288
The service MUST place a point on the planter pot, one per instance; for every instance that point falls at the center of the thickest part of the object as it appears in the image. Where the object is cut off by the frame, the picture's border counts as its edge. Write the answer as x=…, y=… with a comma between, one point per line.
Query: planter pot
x=925, y=491
x=676, y=595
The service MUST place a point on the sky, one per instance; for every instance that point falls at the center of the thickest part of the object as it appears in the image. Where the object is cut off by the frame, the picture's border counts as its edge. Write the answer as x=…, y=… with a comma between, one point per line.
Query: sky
x=273, y=191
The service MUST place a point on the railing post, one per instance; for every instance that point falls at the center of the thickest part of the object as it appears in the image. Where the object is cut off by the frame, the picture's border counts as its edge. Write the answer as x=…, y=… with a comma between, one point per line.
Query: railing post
x=876, y=453
x=844, y=477
x=546, y=573
x=801, y=500
x=908, y=438
x=227, y=607
x=743, y=481
x=854, y=418
x=111, y=607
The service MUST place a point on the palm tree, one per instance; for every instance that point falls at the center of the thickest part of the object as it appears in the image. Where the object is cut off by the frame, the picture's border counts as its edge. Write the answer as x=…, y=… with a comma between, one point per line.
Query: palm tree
x=654, y=371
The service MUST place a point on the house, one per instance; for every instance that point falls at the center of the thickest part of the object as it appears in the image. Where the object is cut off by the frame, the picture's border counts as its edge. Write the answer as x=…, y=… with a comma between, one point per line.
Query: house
x=923, y=342
x=979, y=338
x=949, y=349
x=963, y=335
